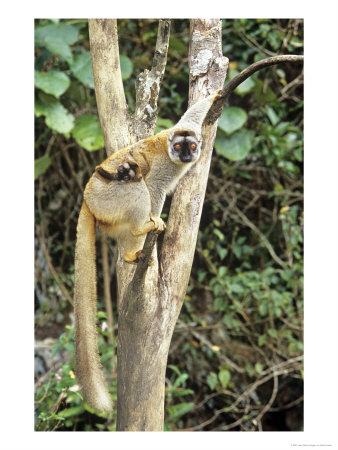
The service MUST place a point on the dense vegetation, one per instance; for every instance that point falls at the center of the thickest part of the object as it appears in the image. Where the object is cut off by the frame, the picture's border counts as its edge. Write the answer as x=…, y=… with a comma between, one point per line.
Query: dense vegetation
x=236, y=356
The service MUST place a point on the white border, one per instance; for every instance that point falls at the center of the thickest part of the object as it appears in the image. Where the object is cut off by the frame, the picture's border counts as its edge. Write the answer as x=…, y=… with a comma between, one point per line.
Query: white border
x=320, y=225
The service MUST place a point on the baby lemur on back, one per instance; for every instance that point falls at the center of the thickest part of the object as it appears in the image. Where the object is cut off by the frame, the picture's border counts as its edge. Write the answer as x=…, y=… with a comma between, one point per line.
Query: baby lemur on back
x=124, y=197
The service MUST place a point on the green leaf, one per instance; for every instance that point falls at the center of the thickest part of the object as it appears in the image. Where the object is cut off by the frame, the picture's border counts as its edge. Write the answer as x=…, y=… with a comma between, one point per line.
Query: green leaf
x=59, y=47
x=212, y=380
x=59, y=119
x=41, y=165
x=53, y=82
x=219, y=234
x=227, y=319
x=263, y=95
x=87, y=132
x=82, y=69
x=263, y=308
x=177, y=411
x=232, y=119
x=274, y=119
x=201, y=276
x=244, y=87
x=126, y=67
x=179, y=392
x=273, y=333
x=234, y=147
x=219, y=304
x=57, y=116
x=60, y=31
x=73, y=411
x=222, y=252
x=224, y=377
x=222, y=271
x=249, y=369
x=261, y=340
x=174, y=368
x=180, y=379
x=259, y=368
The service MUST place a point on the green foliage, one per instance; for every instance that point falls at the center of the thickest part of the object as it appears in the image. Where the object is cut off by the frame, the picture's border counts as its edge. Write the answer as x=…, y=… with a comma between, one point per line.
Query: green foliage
x=53, y=82
x=87, y=132
x=57, y=38
x=126, y=67
x=57, y=116
x=41, y=165
x=59, y=402
x=82, y=69
x=245, y=87
x=176, y=388
x=234, y=147
x=64, y=84
x=232, y=119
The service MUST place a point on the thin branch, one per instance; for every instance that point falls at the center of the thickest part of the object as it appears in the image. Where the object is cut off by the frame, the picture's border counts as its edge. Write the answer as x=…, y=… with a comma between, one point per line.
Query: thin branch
x=242, y=397
x=135, y=295
x=147, y=92
x=262, y=237
x=207, y=343
x=71, y=166
x=148, y=85
x=252, y=42
x=292, y=85
x=288, y=405
x=145, y=261
x=51, y=267
x=216, y=109
x=270, y=402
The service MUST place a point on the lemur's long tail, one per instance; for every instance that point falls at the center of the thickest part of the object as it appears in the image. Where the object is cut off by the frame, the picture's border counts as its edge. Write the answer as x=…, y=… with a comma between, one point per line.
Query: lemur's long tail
x=87, y=362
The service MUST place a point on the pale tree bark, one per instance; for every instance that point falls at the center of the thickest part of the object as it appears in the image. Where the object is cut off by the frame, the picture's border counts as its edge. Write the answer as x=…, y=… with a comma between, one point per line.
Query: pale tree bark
x=111, y=102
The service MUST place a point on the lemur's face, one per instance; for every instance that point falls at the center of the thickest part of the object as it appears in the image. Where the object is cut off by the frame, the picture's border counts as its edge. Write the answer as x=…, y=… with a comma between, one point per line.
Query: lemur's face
x=184, y=147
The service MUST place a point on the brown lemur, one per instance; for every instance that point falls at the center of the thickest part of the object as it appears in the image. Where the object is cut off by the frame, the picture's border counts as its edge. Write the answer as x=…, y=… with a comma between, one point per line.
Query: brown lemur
x=124, y=197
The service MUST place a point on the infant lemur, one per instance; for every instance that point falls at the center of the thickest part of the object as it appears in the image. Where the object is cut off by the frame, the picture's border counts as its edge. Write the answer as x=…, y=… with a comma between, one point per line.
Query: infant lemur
x=124, y=197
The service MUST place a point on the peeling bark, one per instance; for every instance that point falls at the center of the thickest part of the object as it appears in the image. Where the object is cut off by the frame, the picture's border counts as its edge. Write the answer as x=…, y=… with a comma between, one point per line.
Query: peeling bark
x=148, y=85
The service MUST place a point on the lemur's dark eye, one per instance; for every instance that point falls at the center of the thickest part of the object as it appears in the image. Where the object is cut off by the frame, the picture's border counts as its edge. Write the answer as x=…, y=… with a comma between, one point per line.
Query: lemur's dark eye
x=177, y=146
x=193, y=146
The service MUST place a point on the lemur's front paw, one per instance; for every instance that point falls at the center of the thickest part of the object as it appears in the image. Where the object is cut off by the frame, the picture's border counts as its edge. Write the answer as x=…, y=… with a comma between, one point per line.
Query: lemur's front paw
x=133, y=258
x=159, y=225
x=126, y=172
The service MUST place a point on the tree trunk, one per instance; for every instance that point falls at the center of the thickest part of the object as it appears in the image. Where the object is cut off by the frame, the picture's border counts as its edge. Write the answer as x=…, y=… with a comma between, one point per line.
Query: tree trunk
x=149, y=310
